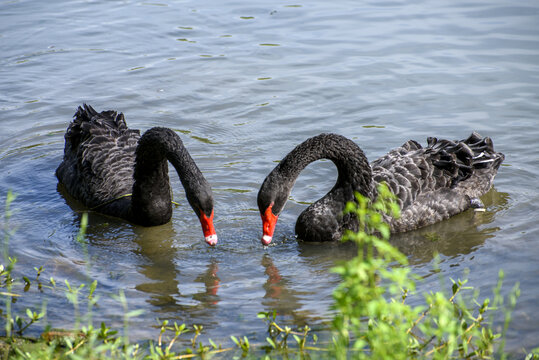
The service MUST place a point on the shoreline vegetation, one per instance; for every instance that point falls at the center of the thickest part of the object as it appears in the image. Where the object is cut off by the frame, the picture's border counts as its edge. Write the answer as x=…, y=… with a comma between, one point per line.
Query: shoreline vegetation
x=372, y=318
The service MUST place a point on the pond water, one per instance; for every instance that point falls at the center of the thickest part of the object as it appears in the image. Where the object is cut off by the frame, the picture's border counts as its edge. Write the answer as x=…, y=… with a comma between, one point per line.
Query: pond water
x=244, y=82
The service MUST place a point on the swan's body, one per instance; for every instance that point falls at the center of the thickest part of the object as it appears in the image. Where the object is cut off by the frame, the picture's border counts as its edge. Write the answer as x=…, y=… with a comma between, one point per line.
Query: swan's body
x=431, y=183
x=114, y=170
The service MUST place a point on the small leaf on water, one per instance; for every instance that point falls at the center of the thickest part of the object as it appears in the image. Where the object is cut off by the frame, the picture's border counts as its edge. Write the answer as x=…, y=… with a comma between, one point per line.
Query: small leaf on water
x=262, y=315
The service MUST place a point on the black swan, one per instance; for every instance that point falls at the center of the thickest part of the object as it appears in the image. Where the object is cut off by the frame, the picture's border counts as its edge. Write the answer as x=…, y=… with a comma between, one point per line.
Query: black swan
x=114, y=170
x=431, y=183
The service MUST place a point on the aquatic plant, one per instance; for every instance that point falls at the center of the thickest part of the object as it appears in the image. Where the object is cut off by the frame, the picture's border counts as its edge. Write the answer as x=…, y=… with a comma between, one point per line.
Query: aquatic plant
x=373, y=319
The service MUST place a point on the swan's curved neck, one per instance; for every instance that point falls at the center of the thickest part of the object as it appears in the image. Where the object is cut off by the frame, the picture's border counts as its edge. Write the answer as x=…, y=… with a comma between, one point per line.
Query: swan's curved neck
x=355, y=174
x=152, y=196
x=352, y=165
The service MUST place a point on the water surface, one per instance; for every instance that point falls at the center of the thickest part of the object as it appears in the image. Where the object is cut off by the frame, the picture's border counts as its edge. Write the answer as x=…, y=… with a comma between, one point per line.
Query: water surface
x=243, y=83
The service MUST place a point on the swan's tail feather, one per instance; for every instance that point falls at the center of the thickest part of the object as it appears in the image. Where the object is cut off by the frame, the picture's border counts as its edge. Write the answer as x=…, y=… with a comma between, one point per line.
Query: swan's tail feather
x=484, y=154
x=87, y=116
x=462, y=158
x=88, y=123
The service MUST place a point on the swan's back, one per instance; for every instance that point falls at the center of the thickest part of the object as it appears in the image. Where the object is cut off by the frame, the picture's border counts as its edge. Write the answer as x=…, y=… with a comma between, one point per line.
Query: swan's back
x=438, y=181
x=99, y=156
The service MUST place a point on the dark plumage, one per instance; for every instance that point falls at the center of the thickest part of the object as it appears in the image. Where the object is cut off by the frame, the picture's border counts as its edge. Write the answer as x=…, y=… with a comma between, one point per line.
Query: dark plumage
x=114, y=170
x=431, y=183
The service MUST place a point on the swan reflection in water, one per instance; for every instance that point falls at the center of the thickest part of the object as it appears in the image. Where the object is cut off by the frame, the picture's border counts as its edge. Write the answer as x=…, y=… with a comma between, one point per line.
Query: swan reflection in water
x=274, y=284
x=281, y=297
x=459, y=235
x=157, y=259
x=120, y=246
x=163, y=270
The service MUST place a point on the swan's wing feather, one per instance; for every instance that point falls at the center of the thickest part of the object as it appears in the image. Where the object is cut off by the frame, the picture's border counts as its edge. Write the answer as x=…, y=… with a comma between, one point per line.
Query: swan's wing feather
x=436, y=182
x=98, y=156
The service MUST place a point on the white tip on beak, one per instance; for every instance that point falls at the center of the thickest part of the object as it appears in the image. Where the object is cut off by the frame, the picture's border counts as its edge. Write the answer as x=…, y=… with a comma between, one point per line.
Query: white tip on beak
x=266, y=240
x=211, y=240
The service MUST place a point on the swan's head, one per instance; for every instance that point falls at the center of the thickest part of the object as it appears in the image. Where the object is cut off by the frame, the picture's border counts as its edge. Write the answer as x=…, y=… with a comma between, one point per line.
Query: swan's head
x=271, y=200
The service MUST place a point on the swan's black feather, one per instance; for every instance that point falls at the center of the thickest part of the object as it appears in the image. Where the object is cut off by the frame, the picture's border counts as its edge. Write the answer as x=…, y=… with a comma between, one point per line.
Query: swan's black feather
x=431, y=183
x=99, y=157
x=104, y=160
x=452, y=173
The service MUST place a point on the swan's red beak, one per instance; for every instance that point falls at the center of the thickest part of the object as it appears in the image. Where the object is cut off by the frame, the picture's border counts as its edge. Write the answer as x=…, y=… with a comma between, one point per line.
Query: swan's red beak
x=268, y=226
x=207, y=228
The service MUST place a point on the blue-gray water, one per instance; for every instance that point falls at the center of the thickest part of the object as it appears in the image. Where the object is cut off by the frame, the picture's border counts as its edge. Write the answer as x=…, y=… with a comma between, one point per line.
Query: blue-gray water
x=244, y=82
